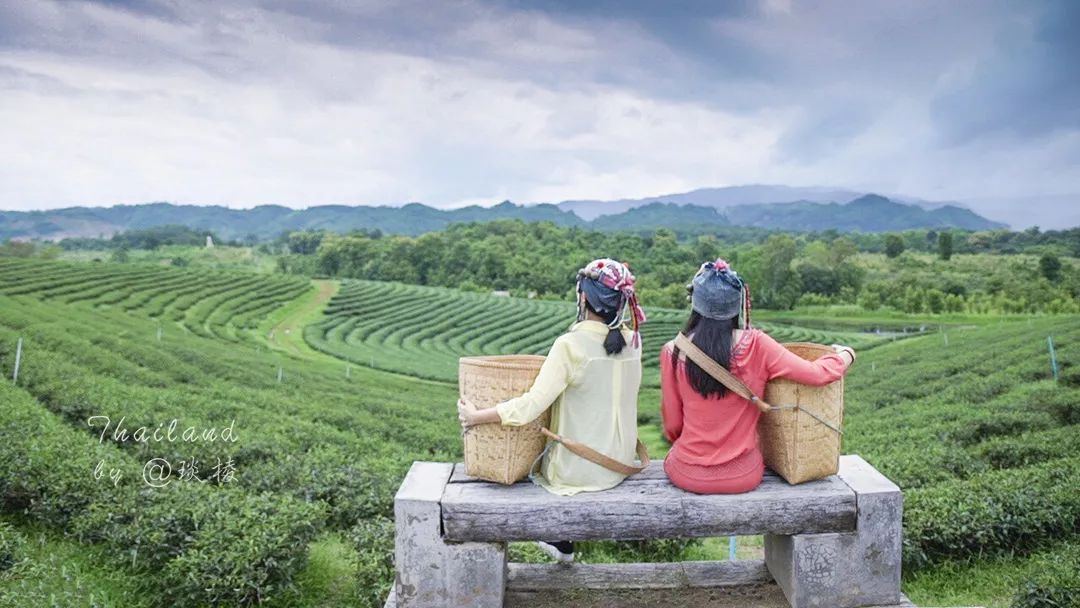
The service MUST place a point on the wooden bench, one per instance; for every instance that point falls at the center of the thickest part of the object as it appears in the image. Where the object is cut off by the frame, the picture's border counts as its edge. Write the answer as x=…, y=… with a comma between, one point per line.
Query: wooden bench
x=834, y=542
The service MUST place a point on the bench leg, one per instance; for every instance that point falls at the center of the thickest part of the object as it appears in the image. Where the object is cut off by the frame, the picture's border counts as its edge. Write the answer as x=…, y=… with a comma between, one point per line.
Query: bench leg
x=429, y=571
x=846, y=570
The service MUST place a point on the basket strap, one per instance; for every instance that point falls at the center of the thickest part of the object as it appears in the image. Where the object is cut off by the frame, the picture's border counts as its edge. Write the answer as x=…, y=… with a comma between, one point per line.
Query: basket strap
x=718, y=372
x=603, y=460
x=811, y=413
x=736, y=386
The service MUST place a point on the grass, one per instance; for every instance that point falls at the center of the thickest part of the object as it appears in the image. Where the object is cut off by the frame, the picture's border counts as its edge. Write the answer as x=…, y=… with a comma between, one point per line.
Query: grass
x=991, y=583
x=55, y=571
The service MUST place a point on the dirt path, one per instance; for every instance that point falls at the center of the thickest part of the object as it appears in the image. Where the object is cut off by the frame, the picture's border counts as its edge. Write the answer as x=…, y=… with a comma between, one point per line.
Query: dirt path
x=284, y=330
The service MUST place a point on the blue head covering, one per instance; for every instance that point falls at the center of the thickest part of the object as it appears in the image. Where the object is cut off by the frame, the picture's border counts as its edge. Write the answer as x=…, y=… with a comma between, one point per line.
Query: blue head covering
x=718, y=292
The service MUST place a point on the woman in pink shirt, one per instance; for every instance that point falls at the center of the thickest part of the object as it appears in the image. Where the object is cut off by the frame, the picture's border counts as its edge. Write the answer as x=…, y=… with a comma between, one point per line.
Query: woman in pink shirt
x=712, y=430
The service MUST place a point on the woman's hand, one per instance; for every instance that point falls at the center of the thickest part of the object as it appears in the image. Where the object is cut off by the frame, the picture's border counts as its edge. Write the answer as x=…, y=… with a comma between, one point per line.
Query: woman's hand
x=845, y=350
x=466, y=413
x=470, y=415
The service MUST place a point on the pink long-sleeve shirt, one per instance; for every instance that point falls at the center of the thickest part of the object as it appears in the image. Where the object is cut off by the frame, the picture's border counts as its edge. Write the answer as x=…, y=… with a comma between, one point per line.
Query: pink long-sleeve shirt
x=712, y=431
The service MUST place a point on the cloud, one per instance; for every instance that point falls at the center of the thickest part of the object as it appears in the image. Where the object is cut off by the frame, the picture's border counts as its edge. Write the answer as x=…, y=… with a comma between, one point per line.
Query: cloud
x=1027, y=88
x=240, y=102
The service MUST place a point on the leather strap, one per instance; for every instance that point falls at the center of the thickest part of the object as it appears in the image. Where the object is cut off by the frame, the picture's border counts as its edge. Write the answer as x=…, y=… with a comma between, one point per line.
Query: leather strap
x=718, y=372
x=603, y=460
x=735, y=385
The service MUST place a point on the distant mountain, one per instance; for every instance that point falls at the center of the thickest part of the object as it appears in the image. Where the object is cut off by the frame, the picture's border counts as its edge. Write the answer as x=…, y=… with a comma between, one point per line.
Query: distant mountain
x=713, y=197
x=263, y=222
x=869, y=213
x=667, y=215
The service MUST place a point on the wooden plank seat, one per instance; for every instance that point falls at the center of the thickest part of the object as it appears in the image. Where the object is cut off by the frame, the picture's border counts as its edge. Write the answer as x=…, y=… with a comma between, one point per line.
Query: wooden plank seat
x=833, y=542
x=644, y=506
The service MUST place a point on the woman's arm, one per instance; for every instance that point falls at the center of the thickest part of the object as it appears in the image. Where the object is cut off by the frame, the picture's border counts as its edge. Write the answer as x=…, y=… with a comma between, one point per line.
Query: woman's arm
x=782, y=363
x=671, y=406
x=554, y=376
x=470, y=416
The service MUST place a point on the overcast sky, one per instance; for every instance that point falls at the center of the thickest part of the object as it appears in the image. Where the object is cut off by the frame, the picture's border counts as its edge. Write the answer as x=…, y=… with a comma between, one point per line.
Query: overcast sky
x=301, y=103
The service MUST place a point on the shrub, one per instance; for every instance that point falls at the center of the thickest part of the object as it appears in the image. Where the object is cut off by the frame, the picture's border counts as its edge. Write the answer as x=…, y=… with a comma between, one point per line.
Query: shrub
x=45, y=467
x=11, y=543
x=206, y=544
x=352, y=488
x=374, y=542
x=244, y=554
x=1013, y=511
x=1055, y=584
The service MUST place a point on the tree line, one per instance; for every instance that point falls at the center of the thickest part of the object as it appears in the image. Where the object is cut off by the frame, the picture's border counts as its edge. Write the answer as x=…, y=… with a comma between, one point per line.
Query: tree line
x=784, y=270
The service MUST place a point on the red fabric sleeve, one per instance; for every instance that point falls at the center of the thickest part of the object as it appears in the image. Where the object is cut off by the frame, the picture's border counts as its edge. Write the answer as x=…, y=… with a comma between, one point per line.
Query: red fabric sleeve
x=782, y=363
x=671, y=406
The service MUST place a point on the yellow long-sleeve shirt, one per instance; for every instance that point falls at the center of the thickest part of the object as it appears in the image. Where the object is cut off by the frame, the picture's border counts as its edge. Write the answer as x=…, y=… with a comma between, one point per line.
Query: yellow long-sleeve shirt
x=595, y=402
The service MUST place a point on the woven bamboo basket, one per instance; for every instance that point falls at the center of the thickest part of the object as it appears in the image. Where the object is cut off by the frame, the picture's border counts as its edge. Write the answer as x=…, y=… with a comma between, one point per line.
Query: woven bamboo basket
x=492, y=451
x=794, y=444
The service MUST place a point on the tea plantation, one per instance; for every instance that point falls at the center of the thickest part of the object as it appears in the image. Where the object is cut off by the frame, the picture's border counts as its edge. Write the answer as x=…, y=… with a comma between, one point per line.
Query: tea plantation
x=422, y=331
x=971, y=423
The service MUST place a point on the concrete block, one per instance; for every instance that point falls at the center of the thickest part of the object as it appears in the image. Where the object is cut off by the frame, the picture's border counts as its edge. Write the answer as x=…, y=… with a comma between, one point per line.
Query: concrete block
x=432, y=573
x=846, y=570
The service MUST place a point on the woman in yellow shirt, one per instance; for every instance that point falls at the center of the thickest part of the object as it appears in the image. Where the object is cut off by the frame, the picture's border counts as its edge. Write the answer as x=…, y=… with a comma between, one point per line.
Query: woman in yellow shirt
x=591, y=377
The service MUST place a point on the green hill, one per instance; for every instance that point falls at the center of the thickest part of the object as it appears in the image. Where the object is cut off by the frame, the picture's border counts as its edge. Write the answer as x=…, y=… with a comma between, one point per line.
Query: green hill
x=422, y=331
x=870, y=213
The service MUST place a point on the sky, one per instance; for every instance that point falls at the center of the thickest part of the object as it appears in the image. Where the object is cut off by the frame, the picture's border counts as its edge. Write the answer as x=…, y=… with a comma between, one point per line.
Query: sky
x=305, y=102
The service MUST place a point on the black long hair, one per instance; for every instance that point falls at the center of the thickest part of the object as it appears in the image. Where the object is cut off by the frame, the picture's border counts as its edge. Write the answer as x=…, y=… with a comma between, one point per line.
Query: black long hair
x=614, y=342
x=714, y=337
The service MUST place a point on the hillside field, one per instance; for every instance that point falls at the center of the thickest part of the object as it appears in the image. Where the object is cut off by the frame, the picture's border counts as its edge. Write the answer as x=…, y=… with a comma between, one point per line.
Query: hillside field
x=422, y=331
x=967, y=418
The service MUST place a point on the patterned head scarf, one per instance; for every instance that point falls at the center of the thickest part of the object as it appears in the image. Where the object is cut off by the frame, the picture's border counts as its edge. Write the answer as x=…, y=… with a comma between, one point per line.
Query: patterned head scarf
x=609, y=287
x=718, y=292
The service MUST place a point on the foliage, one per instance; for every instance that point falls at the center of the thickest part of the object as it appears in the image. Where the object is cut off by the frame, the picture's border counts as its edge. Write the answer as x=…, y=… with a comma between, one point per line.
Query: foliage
x=52, y=570
x=11, y=543
x=945, y=246
x=781, y=269
x=1012, y=512
x=374, y=541
x=975, y=430
x=318, y=451
x=977, y=434
x=894, y=245
x=1056, y=583
x=144, y=238
x=1050, y=267
x=422, y=331
x=305, y=242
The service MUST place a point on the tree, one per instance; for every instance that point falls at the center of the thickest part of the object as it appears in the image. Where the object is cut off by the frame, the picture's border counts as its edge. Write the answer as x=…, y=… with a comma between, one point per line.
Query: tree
x=305, y=242
x=894, y=245
x=17, y=249
x=945, y=245
x=818, y=279
x=840, y=251
x=780, y=287
x=1050, y=267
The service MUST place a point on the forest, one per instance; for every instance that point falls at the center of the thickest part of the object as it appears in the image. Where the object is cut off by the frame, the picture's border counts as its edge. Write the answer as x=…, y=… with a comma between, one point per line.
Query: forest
x=922, y=271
